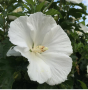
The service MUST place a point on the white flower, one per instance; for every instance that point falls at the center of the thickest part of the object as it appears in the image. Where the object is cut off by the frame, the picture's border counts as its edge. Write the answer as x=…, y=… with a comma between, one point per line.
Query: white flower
x=82, y=27
x=75, y=1
x=46, y=46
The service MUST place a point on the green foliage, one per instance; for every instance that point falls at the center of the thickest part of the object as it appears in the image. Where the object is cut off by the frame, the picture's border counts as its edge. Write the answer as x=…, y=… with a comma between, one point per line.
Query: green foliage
x=46, y=86
x=83, y=85
x=13, y=70
x=6, y=74
x=39, y=6
x=30, y=2
x=1, y=20
x=68, y=84
x=53, y=12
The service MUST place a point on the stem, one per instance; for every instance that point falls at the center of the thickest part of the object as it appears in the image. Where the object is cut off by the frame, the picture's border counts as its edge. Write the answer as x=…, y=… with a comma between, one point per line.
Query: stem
x=4, y=25
x=48, y=6
x=80, y=60
x=60, y=5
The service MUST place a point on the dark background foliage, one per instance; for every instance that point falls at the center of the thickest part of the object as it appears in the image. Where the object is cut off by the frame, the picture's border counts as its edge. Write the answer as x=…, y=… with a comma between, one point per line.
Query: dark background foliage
x=13, y=70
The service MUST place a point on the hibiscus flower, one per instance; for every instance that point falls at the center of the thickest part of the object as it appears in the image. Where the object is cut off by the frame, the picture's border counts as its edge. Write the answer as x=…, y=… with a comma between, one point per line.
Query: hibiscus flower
x=46, y=46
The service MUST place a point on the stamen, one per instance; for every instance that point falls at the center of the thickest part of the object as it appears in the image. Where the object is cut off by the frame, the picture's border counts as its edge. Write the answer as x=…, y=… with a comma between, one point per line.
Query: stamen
x=39, y=49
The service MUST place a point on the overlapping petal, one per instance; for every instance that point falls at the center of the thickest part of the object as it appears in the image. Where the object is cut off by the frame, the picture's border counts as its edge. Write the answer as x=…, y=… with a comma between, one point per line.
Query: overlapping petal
x=41, y=24
x=60, y=66
x=38, y=70
x=19, y=32
x=12, y=52
x=57, y=41
x=51, y=66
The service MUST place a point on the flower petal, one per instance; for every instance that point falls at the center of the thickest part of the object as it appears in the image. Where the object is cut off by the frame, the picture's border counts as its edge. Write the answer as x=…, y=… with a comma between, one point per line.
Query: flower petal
x=57, y=41
x=60, y=66
x=23, y=52
x=84, y=28
x=41, y=24
x=12, y=52
x=19, y=32
x=38, y=70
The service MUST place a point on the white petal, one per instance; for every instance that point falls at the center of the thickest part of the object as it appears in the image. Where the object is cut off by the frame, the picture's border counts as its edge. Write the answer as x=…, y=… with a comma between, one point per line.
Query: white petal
x=84, y=28
x=19, y=32
x=41, y=24
x=23, y=52
x=75, y=1
x=60, y=65
x=38, y=70
x=12, y=52
x=57, y=41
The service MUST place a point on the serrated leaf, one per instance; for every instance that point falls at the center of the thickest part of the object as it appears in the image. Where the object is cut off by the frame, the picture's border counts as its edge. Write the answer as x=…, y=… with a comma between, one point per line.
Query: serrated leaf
x=30, y=2
x=83, y=85
x=77, y=14
x=17, y=14
x=39, y=6
x=26, y=6
x=53, y=12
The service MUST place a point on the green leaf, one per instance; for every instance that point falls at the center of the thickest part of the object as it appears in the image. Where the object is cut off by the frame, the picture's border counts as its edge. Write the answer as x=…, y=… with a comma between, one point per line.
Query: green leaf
x=6, y=74
x=30, y=2
x=46, y=86
x=26, y=6
x=12, y=7
x=68, y=84
x=1, y=20
x=83, y=85
x=39, y=6
x=74, y=58
x=78, y=12
x=53, y=12
x=10, y=67
x=4, y=47
x=17, y=14
x=83, y=22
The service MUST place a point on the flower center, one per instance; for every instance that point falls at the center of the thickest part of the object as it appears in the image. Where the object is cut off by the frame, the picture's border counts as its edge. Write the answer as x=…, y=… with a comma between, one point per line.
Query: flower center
x=39, y=49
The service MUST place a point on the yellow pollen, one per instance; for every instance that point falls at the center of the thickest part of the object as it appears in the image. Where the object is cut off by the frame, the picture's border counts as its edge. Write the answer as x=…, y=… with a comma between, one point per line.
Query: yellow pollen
x=39, y=49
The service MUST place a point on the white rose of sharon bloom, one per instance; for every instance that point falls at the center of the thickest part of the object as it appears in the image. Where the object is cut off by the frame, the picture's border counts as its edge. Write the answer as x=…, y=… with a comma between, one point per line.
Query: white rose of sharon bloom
x=75, y=1
x=82, y=27
x=46, y=46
